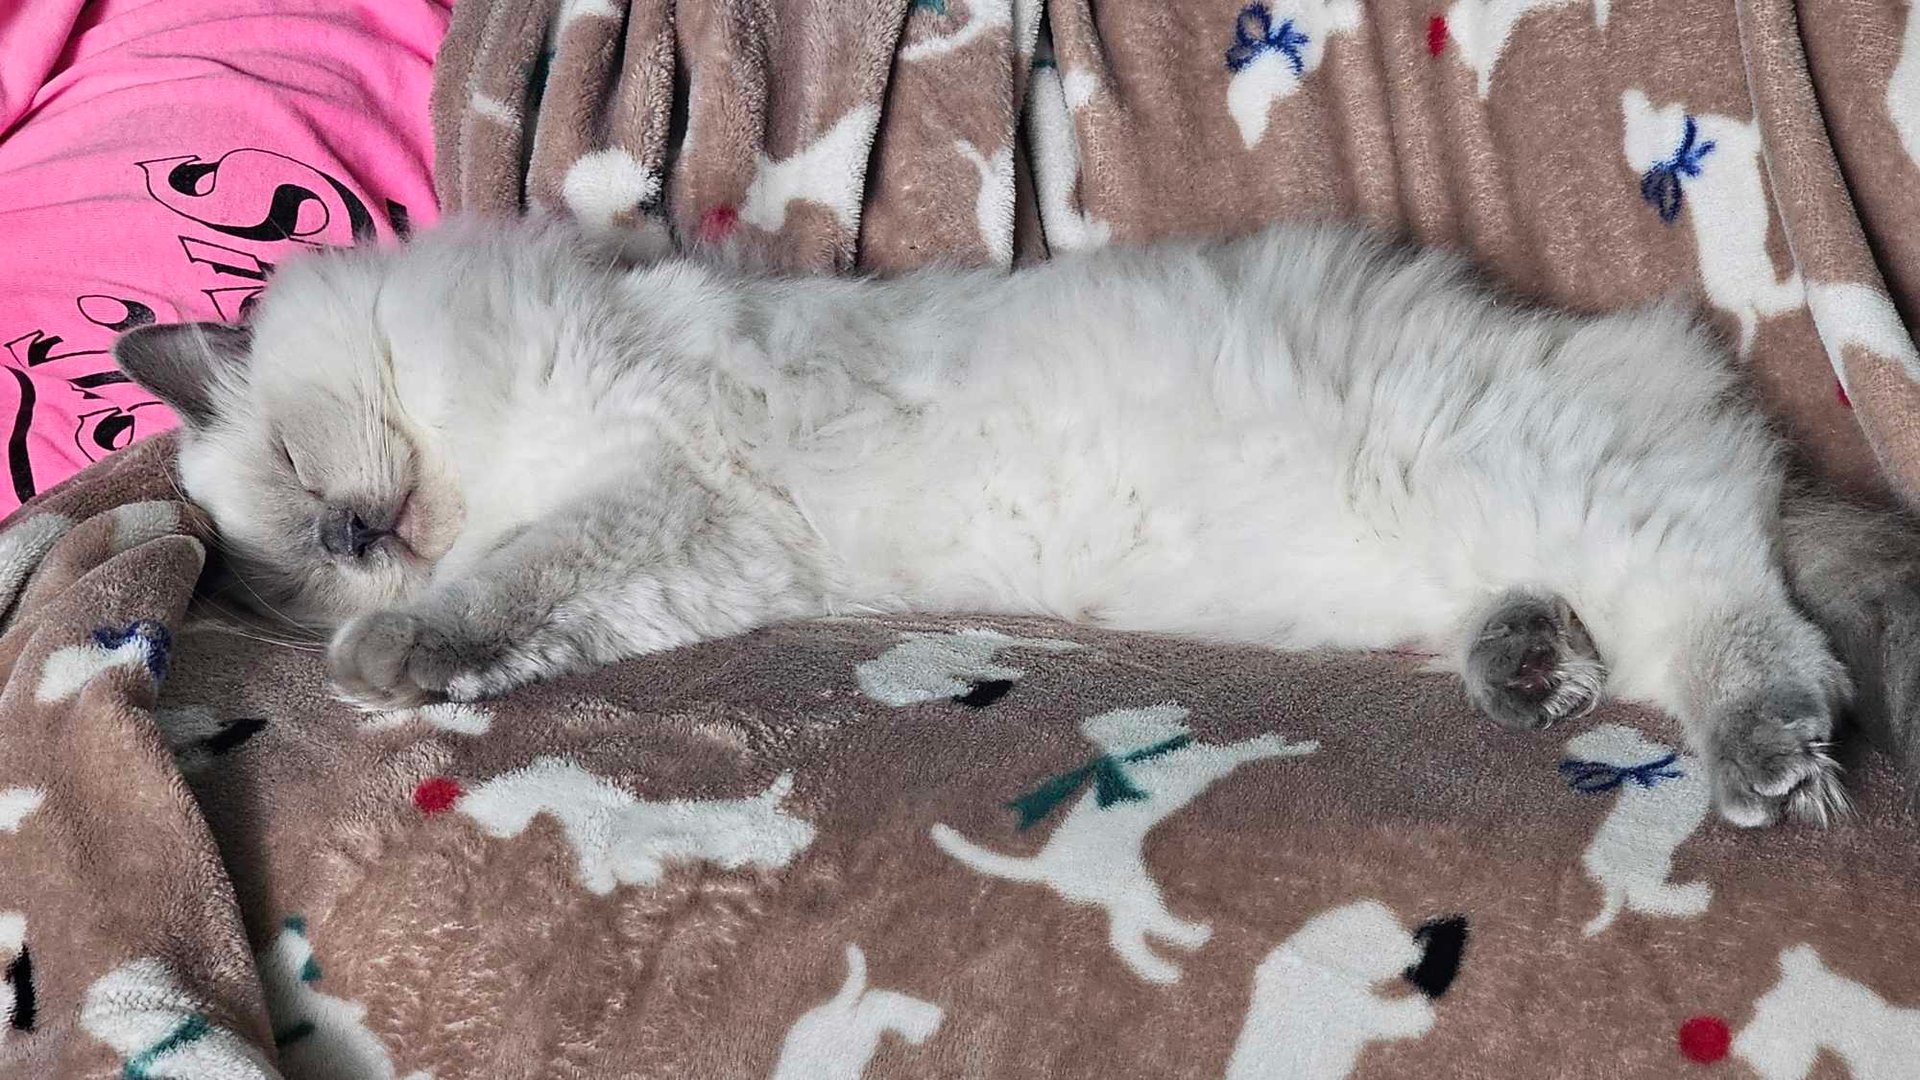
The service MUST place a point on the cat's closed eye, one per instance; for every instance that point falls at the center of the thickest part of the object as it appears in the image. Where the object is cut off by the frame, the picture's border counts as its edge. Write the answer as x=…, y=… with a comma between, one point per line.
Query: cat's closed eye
x=293, y=467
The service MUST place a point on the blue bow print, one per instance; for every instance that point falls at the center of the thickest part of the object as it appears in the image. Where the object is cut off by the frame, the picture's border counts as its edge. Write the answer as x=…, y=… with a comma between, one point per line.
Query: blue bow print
x=1254, y=33
x=1597, y=777
x=1661, y=184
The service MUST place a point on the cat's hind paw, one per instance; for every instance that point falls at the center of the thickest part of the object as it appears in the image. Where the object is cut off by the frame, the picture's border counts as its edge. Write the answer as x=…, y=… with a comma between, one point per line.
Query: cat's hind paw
x=1532, y=664
x=1771, y=760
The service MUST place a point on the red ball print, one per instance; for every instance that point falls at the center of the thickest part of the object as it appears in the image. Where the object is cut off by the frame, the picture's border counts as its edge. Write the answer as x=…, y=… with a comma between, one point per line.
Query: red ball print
x=1437, y=35
x=436, y=794
x=1840, y=391
x=1705, y=1039
x=718, y=223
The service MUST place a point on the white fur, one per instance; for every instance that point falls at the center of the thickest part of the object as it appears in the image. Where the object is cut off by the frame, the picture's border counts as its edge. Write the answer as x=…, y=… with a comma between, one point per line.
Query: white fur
x=1300, y=439
x=1315, y=1003
x=1811, y=1008
x=837, y=1038
x=1096, y=854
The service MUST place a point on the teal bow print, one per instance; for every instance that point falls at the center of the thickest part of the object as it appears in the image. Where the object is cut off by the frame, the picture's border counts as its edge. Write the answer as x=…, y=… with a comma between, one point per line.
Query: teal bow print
x=1107, y=774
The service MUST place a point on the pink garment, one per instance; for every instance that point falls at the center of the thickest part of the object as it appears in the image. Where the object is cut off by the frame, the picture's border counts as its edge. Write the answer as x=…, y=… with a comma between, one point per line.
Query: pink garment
x=157, y=157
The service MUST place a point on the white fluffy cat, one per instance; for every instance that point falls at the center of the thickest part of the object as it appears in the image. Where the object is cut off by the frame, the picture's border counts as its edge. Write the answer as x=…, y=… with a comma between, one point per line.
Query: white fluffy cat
x=504, y=453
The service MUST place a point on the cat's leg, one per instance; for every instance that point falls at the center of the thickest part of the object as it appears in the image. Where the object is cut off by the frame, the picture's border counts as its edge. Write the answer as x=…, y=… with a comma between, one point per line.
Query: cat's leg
x=1857, y=572
x=611, y=578
x=1530, y=662
x=1758, y=690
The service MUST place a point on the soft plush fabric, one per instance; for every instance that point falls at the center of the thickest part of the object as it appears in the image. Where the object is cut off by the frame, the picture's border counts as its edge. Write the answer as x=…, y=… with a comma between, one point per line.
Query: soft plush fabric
x=1762, y=155
x=910, y=848
x=157, y=157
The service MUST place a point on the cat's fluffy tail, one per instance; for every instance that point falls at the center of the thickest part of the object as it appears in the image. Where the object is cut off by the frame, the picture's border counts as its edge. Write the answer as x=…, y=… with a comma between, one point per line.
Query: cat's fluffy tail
x=1856, y=571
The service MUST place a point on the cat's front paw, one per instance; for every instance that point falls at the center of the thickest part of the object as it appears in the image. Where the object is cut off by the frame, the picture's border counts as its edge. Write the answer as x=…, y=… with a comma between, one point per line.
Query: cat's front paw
x=390, y=660
x=1769, y=759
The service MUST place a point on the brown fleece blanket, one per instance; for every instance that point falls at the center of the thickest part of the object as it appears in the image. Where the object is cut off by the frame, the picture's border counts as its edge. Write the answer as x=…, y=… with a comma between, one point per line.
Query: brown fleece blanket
x=972, y=848
x=952, y=848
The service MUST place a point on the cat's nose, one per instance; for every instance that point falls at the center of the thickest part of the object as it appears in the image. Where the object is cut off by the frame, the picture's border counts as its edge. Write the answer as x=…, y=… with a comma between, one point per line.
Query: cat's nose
x=344, y=532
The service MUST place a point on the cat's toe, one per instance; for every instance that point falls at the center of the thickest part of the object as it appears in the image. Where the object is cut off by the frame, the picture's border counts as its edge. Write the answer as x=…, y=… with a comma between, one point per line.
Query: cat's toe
x=1772, y=760
x=1532, y=664
x=373, y=662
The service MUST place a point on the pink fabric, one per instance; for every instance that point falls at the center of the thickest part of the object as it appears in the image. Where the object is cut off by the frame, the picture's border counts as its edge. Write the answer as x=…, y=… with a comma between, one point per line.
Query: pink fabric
x=157, y=157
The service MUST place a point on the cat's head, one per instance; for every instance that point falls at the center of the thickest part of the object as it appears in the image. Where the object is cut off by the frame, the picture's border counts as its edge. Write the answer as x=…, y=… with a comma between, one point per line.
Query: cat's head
x=325, y=502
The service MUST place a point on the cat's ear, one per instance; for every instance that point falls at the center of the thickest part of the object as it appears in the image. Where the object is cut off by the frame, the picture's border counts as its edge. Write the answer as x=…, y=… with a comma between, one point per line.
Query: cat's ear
x=183, y=363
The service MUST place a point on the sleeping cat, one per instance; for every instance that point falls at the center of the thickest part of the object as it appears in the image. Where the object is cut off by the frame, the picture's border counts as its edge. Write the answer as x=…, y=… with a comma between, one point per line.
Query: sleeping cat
x=508, y=452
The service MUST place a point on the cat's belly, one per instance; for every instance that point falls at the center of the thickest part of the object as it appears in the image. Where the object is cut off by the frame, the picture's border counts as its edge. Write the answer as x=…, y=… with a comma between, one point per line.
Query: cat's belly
x=1186, y=543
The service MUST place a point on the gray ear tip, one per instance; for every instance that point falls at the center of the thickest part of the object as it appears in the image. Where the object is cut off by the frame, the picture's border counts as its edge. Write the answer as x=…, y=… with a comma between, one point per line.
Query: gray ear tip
x=216, y=338
x=181, y=363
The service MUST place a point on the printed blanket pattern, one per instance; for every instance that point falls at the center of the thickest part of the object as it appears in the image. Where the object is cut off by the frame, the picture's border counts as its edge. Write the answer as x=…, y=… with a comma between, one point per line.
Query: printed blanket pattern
x=883, y=849
x=1762, y=156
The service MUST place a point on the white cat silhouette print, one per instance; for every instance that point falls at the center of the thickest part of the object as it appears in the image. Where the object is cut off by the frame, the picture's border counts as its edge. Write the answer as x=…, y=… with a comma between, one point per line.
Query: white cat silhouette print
x=1149, y=767
x=23, y=546
x=1708, y=166
x=319, y=1037
x=993, y=201
x=960, y=666
x=16, y=803
x=982, y=17
x=829, y=171
x=1276, y=43
x=142, y=643
x=620, y=839
x=16, y=965
x=161, y=1030
x=1903, y=87
x=837, y=1038
x=1053, y=97
x=1317, y=998
x=1812, y=1009
x=16, y=1000
x=1480, y=29
x=1848, y=314
x=1661, y=799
